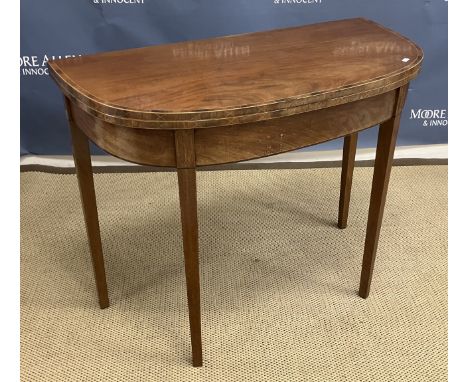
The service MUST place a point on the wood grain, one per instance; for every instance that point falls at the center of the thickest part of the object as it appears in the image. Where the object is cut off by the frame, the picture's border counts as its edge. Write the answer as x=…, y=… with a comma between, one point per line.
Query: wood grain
x=383, y=164
x=347, y=168
x=256, y=140
x=142, y=146
x=84, y=174
x=235, y=98
x=239, y=142
x=239, y=79
x=185, y=148
x=188, y=209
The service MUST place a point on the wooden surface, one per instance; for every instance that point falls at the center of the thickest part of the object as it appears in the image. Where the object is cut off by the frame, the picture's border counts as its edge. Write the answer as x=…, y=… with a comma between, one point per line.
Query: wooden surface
x=349, y=156
x=383, y=165
x=242, y=78
x=235, y=143
x=142, y=146
x=84, y=174
x=186, y=175
x=236, y=98
x=255, y=140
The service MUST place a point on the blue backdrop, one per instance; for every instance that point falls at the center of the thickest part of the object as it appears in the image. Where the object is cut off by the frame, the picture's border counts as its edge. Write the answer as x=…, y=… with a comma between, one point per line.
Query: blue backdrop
x=77, y=27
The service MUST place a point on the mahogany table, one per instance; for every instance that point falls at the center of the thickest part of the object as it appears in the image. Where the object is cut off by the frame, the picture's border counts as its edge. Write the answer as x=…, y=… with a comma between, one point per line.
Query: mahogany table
x=236, y=98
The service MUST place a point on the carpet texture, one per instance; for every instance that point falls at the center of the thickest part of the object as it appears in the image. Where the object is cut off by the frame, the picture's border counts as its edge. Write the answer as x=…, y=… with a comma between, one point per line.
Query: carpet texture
x=279, y=280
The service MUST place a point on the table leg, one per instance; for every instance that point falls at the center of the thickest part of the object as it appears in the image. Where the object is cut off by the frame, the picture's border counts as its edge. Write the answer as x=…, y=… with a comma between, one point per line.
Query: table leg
x=84, y=174
x=188, y=209
x=349, y=154
x=383, y=164
x=186, y=174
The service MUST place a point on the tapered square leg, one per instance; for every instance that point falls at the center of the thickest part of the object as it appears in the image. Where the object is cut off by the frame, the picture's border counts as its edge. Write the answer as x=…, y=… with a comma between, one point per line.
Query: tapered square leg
x=349, y=155
x=388, y=132
x=186, y=174
x=188, y=209
x=84, y=174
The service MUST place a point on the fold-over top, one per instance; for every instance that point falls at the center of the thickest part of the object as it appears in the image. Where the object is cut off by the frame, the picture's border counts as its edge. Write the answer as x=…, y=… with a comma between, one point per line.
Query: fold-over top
x=240, y=78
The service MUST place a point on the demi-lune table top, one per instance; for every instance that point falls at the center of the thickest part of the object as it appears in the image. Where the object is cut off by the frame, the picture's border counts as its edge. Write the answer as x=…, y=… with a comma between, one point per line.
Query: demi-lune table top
x=241, y=78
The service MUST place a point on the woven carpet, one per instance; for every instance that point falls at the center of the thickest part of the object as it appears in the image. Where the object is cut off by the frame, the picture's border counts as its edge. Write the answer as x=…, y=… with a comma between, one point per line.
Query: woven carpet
x=279, y=280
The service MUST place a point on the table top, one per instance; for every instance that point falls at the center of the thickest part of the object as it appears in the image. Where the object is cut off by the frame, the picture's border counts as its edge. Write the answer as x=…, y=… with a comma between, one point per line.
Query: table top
x=240, y=78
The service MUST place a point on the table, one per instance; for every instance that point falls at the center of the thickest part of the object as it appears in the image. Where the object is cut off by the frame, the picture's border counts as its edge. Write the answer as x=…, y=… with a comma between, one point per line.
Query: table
x=235, y=98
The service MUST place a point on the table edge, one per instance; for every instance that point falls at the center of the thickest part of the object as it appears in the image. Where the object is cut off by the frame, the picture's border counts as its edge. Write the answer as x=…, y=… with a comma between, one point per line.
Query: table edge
x=160, y=119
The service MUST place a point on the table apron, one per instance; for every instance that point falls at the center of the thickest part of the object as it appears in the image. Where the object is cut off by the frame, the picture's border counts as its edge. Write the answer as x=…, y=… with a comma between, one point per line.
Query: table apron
x=236, y=143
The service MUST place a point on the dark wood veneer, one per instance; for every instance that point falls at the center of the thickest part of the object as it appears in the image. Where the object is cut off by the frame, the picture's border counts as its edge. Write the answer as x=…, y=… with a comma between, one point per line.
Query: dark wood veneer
x=235, y=98
x=279, y=73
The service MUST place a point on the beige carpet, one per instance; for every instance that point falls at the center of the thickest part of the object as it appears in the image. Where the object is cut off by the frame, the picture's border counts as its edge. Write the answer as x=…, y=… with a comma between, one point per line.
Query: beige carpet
x=279, y=280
